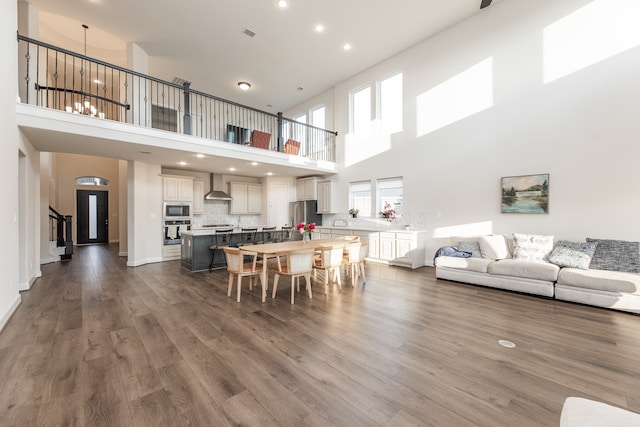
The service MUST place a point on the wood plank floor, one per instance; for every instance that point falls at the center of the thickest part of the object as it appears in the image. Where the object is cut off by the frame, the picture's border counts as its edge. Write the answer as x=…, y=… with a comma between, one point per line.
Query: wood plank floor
x=97, y=343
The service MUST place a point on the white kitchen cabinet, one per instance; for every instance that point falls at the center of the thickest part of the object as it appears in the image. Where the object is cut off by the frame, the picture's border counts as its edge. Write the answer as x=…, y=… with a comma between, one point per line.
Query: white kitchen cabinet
x=177, y=189
x=374, y=245
x=387, y=246
x=198, y=197
x=306, y=188
x=326, y=195
x=246, y=198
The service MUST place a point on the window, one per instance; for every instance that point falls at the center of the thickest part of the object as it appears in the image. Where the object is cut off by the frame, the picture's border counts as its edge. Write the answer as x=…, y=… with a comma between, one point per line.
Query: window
x=360, y=197
x=361, y=111
x=318, y=117
x=391, y=104
x=389, y=197
x=92, y=180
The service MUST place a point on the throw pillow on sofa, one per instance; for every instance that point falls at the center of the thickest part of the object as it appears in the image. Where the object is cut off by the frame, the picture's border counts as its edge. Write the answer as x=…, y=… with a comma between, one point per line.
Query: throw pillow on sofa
x=531, y=247
x=573, y=254
x=470, y=246
x=616, y=255
x=494, y=247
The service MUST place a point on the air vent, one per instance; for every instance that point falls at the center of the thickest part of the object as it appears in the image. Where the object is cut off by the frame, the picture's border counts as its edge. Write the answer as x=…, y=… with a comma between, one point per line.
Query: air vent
x=249, y=32
x=179, y=81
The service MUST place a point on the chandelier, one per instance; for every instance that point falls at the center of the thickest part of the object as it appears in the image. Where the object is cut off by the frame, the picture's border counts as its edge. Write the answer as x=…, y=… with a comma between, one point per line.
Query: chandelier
x=84, y=106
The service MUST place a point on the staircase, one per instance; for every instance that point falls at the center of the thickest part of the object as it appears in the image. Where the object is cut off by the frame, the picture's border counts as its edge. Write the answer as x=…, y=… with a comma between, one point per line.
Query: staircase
x=60, y=229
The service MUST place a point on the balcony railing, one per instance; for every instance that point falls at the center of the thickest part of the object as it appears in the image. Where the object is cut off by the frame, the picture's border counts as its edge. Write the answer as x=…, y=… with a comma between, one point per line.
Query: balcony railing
x=56, y=78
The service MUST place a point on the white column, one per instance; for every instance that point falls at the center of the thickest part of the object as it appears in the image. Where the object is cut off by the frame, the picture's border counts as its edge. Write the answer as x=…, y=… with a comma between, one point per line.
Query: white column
x=138, y=89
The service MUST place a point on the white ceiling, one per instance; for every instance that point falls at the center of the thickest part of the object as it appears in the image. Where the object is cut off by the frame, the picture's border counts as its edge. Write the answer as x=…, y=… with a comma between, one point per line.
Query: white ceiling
x=202, y=41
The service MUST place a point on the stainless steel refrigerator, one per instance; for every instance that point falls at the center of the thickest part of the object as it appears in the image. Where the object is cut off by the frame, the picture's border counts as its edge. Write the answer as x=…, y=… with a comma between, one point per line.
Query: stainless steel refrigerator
x=306, y=211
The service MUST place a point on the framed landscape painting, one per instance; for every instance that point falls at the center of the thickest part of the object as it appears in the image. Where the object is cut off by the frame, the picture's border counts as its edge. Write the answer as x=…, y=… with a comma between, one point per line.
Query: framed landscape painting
x=525, y=194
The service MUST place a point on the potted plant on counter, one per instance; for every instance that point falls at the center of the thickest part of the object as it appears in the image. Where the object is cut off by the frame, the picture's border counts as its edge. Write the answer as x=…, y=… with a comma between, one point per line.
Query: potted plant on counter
x=354, y=212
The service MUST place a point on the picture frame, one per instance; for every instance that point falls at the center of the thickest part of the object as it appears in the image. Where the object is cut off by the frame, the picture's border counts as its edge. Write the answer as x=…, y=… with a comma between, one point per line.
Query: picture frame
x=527, y=194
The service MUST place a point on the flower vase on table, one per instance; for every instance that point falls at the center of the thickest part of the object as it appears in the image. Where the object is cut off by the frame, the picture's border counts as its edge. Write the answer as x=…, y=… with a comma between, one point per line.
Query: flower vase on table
x=306, y=230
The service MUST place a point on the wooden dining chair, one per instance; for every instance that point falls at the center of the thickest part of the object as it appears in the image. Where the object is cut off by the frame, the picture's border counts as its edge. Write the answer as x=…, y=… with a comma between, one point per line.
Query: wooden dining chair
x=236, y=266
x=298, y=264
x=354, y=256
x=329, y=259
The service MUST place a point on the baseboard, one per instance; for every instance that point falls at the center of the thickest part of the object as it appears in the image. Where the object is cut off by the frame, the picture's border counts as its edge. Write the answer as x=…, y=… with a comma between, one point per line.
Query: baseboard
x=143, y=262
x=12, y=309
x=48, y=260
x=123, y=253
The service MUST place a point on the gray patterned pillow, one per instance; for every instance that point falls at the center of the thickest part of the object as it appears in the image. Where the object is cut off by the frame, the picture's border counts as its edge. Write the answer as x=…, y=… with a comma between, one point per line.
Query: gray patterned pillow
x=470, y=246
x=573, y=254
x=616, y=255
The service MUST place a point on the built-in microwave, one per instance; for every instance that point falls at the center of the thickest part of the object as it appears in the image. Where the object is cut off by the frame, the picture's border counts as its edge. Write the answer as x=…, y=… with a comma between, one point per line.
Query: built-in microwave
x=177, y=210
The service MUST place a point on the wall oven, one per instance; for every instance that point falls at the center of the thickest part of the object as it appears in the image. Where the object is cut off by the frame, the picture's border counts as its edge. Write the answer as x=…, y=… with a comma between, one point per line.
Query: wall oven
x=176, y=210
x=173, y=229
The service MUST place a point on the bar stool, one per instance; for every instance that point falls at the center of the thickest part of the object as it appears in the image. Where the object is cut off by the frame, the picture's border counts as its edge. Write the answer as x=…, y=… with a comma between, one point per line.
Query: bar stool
x=248, y=236
x=221, y=239
x=285, y=234
x=268, y=235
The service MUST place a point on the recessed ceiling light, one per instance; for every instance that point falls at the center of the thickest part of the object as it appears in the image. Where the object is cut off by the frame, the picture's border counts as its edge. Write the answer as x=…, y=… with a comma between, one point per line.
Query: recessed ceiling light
x=244, y=85
x=232, y=169
x=269, y=173
x=319, y=28
x=254, y=163
x=347, y=46
x=96, y=81
x=282, y=3
x=200, y=156
x=182, y=163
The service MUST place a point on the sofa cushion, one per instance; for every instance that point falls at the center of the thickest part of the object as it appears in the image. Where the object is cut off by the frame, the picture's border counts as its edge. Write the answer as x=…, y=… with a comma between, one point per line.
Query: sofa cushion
x=526, y=269
x=603, y=280
x=470, y=246
x=494, y=247
x=471, y=264
x=616, y=255
x=573, y=254
x=531, y=247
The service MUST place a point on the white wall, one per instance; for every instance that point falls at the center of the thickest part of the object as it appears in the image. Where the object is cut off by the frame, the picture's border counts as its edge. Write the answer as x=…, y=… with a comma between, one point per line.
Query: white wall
x=72, y=166
x=582, y=129
x=144, y=219
x=9, y=134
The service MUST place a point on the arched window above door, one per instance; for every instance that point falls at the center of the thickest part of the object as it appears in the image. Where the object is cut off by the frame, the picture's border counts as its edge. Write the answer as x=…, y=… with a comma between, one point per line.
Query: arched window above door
x=92, y=180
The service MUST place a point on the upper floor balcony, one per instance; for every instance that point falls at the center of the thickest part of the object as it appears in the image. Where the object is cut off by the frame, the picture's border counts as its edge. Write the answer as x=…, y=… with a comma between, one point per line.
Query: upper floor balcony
x=69, y=102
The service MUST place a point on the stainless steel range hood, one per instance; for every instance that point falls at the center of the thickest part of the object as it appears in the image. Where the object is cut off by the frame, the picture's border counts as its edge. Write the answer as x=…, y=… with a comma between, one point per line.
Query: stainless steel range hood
x=216, y=193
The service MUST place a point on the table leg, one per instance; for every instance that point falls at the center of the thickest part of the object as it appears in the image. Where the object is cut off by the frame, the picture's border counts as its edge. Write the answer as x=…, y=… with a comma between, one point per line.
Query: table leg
x=264, y=277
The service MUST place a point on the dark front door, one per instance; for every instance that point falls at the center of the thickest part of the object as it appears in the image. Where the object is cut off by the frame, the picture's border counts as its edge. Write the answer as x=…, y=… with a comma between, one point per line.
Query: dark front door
x=92, y=216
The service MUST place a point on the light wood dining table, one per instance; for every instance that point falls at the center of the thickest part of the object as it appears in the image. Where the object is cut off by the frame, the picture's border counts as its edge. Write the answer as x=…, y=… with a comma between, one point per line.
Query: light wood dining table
x=272, y=250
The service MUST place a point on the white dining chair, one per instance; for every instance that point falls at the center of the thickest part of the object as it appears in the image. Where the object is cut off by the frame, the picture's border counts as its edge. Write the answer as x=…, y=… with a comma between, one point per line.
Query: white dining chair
x=354, y=256
x=298, y=264
x=236, y=266
x=329, y=259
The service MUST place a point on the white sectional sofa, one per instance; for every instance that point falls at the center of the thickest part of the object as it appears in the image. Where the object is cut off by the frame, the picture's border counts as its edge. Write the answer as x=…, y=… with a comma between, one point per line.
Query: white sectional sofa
x=586, y=273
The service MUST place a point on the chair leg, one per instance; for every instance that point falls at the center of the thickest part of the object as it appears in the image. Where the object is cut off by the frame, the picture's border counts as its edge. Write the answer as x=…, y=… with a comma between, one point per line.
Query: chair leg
x=230, y=285
x=361, y=268
x=336, y=273
x=308, y=284
x=275, y=285
x=239, y=283
x=326, y=282
x=293, y=279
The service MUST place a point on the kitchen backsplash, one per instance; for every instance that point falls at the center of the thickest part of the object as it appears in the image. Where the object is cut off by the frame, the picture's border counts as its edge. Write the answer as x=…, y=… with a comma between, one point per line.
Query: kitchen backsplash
x=217, y=212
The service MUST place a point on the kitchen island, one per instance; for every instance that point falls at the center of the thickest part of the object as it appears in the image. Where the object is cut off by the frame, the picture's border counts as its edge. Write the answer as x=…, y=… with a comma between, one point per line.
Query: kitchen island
x=195, y=254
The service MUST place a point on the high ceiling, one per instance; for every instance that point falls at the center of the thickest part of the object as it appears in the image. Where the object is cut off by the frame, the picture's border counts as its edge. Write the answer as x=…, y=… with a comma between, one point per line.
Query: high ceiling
x=286, y=61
